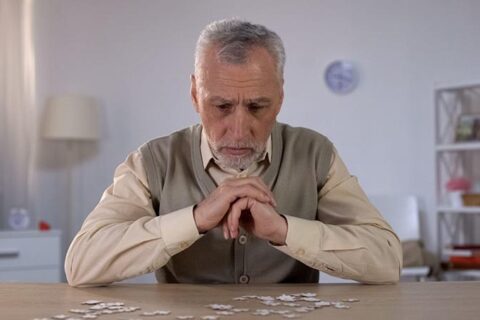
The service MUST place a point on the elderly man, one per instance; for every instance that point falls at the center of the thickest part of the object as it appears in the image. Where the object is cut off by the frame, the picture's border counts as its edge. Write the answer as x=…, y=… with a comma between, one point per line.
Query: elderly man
x=239, y=198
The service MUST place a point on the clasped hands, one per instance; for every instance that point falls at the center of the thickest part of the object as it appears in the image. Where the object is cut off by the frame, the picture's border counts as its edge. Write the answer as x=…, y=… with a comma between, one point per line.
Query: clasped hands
x=245, y=202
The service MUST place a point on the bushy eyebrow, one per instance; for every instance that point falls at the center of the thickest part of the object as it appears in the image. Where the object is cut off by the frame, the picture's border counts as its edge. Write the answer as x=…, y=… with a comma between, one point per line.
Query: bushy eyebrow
x=217, y=100
x=261, y=101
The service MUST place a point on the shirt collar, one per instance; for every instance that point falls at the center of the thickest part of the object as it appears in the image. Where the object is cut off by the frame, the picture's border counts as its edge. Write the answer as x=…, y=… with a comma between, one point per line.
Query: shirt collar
x=207, y=154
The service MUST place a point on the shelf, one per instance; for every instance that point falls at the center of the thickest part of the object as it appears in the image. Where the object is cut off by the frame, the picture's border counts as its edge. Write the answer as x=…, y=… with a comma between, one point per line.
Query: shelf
x=415, y=271
x=453, y=159
x=463, y=146
x=456, y=86
x=472, y=210
x=465, y=272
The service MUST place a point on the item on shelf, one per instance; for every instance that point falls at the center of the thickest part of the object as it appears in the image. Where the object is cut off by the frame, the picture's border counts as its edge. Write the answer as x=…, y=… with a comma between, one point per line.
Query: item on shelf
x=43, y=225
x=468, y=128
x=455, y=198
x=464, y=262
x=463, y=250
x=466, y=246
x=456, y=187
x=19, y=219
x=471, y=199
x=459, y=184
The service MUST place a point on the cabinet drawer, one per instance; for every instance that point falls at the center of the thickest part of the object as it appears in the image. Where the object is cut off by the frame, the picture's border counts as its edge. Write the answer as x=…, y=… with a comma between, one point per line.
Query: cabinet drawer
x=29, y=252
x=34, y=275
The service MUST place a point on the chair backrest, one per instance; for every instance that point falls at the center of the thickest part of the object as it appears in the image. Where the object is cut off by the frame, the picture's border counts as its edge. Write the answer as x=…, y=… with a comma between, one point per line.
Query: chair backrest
x=401, y=212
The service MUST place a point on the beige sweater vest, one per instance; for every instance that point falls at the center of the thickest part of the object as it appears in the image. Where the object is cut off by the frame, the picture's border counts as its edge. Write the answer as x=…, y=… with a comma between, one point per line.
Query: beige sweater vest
x=176, y=177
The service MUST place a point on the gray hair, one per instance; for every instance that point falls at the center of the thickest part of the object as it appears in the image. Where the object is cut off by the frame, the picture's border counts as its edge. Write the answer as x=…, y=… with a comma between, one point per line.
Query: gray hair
x=235, y=38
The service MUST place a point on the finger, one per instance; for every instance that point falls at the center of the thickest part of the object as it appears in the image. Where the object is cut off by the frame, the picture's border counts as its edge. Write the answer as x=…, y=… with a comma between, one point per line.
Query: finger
x=209, y=212
x=255, y=182
x=234, y=216
x=260, y=182
x=226, y=232
x=248, y=191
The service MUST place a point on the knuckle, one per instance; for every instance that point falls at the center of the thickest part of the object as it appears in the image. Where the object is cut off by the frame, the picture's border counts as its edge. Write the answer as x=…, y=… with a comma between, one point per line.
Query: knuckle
x=225, y=182
x=223, y=189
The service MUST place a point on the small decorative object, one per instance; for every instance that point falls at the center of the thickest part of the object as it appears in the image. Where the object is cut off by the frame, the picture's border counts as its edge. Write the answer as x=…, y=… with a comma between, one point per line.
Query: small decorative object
x=43, y=225
x=468, y=128
x=19, y=219
x=471, y=199
x=341, y=77
x=456, y=187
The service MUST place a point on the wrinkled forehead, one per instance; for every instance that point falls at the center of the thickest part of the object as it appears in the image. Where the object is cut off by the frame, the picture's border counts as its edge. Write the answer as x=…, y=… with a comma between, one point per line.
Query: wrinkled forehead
x=255, y=59
x=238, y=83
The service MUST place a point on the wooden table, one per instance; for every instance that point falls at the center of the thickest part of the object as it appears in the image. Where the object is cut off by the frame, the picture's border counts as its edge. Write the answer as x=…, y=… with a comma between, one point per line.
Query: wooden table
x=427, y=300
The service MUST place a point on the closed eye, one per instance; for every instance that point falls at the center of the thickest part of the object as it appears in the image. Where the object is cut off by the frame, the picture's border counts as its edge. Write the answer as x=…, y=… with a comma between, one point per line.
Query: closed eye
x=224, y=106
x=255, y=107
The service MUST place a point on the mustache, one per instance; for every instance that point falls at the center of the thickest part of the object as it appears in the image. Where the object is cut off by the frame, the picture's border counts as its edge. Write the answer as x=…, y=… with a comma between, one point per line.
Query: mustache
x=247, y=144
x=238, y=145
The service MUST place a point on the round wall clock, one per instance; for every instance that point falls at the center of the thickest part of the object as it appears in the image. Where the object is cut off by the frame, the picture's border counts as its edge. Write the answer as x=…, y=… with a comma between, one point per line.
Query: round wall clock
x=341, y=77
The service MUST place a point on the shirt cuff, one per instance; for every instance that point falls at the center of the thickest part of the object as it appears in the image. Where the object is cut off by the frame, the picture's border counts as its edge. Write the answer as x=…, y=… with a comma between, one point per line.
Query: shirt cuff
x=301, y=236
x=303, y=243
x=178, y=230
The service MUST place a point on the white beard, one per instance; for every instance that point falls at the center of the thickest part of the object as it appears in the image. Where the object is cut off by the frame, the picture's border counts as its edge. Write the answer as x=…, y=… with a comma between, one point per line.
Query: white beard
x=236, y=162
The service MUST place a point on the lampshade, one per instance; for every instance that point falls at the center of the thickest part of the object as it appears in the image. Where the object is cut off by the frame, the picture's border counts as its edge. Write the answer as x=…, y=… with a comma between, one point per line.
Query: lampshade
x=72, y=117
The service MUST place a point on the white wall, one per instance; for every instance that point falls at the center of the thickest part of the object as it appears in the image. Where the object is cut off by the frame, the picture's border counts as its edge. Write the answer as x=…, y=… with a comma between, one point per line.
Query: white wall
x=136, y=56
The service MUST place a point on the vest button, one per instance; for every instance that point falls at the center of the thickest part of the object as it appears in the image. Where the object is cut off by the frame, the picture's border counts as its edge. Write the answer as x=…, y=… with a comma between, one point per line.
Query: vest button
x=242, y=239
x=244, y=279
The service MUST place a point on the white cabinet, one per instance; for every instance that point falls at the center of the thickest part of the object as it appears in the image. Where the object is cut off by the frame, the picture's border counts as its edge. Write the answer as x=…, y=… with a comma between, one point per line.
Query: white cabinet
x=30, y=256
x=456, y=223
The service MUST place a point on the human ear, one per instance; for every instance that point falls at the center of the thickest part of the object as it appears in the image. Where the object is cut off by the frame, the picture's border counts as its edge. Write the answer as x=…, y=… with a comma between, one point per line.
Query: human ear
x=281, y=99
x=193, y=92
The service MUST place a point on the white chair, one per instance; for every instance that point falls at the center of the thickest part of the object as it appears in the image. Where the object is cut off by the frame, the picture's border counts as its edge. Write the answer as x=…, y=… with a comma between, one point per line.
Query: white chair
x=402, y=213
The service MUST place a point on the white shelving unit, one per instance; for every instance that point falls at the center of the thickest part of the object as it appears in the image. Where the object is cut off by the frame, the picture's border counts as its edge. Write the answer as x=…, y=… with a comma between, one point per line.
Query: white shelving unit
x=455, y=224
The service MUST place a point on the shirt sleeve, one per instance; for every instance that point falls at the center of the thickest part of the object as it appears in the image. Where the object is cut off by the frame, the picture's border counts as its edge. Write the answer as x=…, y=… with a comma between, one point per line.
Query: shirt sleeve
x=351, y=238
x=122, y=237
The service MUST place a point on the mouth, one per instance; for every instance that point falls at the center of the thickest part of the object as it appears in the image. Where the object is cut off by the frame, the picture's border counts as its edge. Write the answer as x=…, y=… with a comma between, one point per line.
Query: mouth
x=236, y=151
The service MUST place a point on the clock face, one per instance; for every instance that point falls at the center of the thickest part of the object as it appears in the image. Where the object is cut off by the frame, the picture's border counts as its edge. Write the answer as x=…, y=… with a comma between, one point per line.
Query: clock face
x=341, y=77
x=19, y=219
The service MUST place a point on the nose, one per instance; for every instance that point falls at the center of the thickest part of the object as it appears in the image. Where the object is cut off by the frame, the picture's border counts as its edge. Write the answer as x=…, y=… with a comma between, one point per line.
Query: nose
x=240, y=124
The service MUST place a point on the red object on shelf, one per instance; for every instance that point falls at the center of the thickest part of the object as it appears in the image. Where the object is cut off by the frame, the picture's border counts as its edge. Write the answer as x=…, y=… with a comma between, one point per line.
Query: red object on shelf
x=466, y=246
x=43, y=226
x=465, y=262
x=459, y=184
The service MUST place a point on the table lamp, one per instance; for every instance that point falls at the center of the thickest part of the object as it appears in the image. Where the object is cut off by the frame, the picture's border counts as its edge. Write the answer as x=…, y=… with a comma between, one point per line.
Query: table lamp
x=71, y=118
